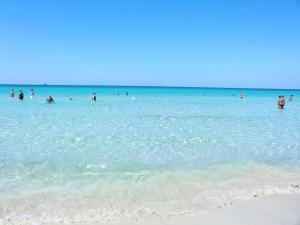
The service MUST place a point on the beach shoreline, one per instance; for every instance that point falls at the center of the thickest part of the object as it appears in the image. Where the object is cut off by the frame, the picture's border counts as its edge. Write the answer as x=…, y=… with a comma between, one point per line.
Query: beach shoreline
x=269, y=209
x=273, y=209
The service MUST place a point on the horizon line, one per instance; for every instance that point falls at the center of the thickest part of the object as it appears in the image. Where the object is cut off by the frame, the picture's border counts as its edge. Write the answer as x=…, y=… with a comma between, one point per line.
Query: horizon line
x=146, y=86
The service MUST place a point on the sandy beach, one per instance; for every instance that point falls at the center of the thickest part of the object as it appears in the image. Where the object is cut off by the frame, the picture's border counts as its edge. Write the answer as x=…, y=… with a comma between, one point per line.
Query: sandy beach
x=276, y=209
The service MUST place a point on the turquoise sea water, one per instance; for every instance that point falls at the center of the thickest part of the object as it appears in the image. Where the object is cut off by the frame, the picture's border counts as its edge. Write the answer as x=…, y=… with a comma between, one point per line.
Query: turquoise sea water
x=155, y=153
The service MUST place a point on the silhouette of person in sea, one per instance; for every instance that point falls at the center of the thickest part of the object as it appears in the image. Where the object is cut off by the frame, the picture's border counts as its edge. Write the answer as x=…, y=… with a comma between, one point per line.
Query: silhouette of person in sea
x=31, y=93
x=21, y=95
x=12, y=93
x=281, y=102
x=49, y=99
x=94, y=98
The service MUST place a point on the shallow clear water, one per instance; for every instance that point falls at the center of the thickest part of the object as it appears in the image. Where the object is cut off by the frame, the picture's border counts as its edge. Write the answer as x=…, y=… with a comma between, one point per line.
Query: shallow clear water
x=154, y=153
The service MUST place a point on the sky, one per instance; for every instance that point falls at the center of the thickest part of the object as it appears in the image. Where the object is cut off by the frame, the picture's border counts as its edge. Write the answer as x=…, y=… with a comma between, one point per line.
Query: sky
x=216, y=43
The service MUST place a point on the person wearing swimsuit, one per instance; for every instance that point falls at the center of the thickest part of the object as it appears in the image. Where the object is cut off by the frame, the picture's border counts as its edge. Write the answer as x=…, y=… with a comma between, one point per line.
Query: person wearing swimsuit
x=94, y=98
x=50, y=99
x=31, y=93
x=12, y=93
x=21, y=95
x=281, y=102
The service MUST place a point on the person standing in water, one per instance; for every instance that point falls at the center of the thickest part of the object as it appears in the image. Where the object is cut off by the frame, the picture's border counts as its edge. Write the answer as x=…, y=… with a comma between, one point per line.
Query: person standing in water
x=50, y=99
x=21, y=95
x=12, y=93
x=31, y=93
x=281, y=102
x=242, y=95
x=126, y=93
x=94, y=98
x=291, y=98
x=278, y=101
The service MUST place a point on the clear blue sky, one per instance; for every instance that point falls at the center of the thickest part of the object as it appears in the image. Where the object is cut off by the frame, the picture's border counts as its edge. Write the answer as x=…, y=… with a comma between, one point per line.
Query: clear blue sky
x=224, y=43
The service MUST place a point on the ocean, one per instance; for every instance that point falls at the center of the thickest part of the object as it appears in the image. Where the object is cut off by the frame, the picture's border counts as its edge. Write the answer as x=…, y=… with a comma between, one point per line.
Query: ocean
x=156, y=153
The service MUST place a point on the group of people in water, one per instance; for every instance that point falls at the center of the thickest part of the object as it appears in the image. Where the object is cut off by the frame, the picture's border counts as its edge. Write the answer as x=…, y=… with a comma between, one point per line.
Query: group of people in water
x=49, y=99
x=94, y=97
x=21, y=96
x=281, y=101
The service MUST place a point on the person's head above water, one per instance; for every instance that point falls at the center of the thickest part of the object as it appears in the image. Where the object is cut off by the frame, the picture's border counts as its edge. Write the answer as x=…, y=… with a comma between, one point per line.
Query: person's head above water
x=12, y=93
x=94, y=97
x=50, y=99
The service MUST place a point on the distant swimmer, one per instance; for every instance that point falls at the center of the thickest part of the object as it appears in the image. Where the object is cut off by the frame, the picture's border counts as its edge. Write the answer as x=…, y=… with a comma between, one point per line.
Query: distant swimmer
x=281, y=102
x=278, y=101
x=126, y=93
x=31, y=93
x=21, y=95
x=118, y=93
x=291, y=98
x=242, y=95
x=94, y=98
x=49, y=99
x=12, y=93
x=70, y=99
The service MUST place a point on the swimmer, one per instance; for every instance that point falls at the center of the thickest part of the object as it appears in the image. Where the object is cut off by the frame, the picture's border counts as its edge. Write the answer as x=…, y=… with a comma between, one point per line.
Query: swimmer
x=21, y=95
x=31, y=93
x=281, y=102
x=291, y=98
x=49, y=99
x=12, y=93
x=278, y=101
x=118, y=93
x=70, y=99
x=94, y=98
x=126, y=93
x=242, y=95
